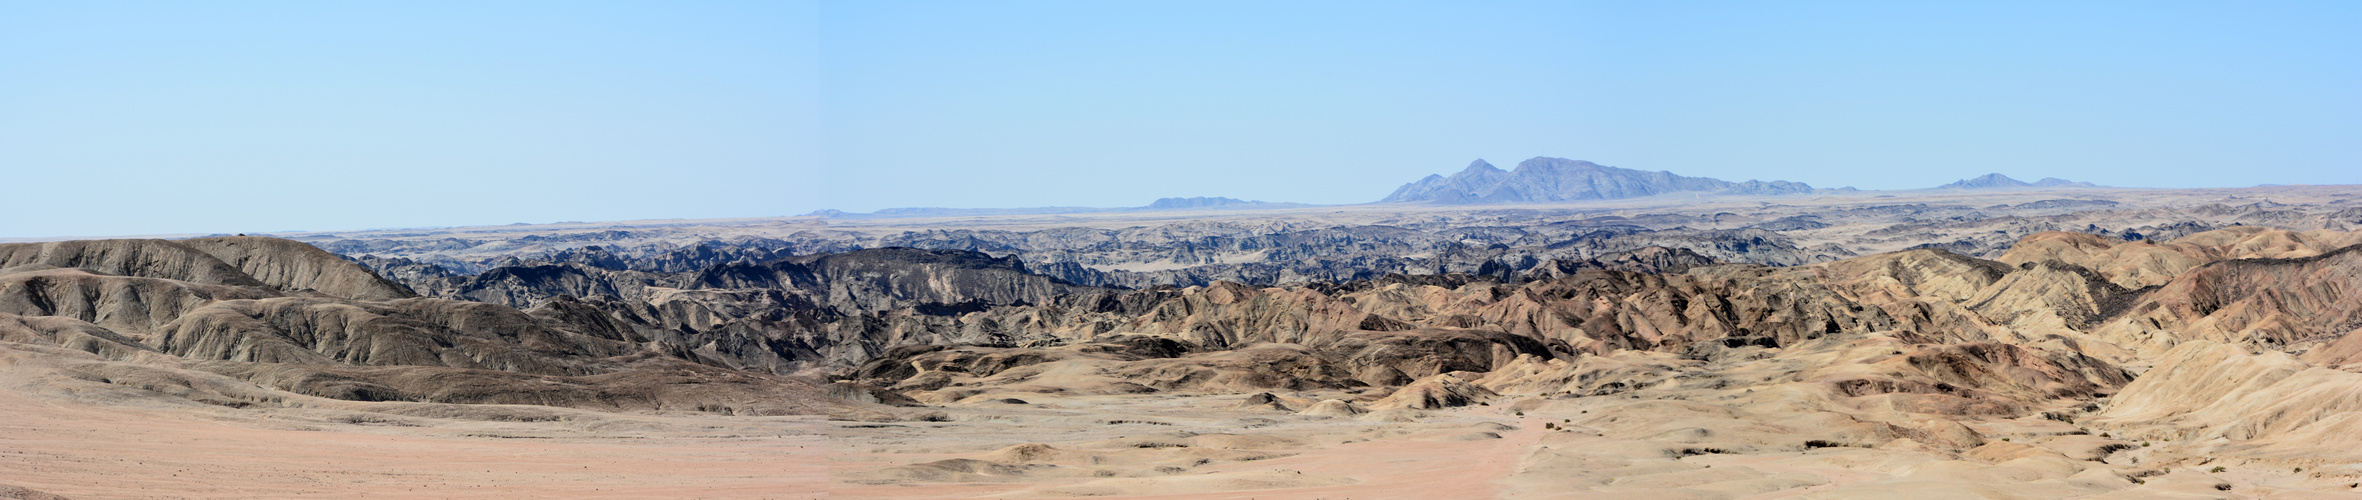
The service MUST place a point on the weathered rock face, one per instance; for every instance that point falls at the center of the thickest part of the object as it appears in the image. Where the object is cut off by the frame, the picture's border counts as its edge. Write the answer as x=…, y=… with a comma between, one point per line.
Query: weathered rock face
x=779, y=316
x=289, y=265
x=137, y=258
x=2047, y=295
x=70, y=334
x=318, y=325
x=129, y=304
x=1400, y=332
x=2138, y=264
x=415, y=332
x=1978, y=373
x=1651, y=260
x=801, y=313
x=845, y=283
x=2276, y=304
x=528, y=285
x=891, y=278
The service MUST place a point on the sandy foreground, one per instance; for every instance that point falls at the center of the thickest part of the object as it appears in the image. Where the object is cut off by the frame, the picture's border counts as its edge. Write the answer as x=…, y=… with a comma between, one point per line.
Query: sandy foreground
x=1030, y=445
x=85, y=452
x=1204, y=446
x=1187, y=447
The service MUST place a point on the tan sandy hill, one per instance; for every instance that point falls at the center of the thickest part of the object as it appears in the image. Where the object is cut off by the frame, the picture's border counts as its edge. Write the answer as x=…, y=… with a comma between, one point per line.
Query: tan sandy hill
x=318, y=325
x=259, y=368
x=1920, y=373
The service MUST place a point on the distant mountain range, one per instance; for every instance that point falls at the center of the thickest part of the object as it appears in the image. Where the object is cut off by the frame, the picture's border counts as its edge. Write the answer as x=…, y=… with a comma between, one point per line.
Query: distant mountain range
x=1998, y=181
x=1214, y=202
x=1545, y=179
x=1161, y=204
x=1541, y=179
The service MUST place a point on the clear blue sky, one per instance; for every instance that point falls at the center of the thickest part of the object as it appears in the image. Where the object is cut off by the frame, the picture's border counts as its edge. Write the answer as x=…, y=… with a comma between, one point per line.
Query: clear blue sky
x=189, y=117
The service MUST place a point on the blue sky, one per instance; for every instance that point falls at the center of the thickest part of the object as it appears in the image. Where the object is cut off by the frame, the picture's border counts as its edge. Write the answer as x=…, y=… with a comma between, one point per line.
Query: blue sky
x=148, y=118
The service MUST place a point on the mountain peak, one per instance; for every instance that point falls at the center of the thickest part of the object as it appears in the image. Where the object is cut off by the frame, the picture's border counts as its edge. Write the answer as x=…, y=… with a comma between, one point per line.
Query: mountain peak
x=1480, y=166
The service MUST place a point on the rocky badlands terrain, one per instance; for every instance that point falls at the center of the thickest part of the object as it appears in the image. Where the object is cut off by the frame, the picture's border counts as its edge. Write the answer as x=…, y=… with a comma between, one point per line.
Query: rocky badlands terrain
x=1703, y=340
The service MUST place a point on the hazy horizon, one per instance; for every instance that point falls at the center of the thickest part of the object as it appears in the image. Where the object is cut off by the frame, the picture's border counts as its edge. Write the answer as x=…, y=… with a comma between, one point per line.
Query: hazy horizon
x=127, y=119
